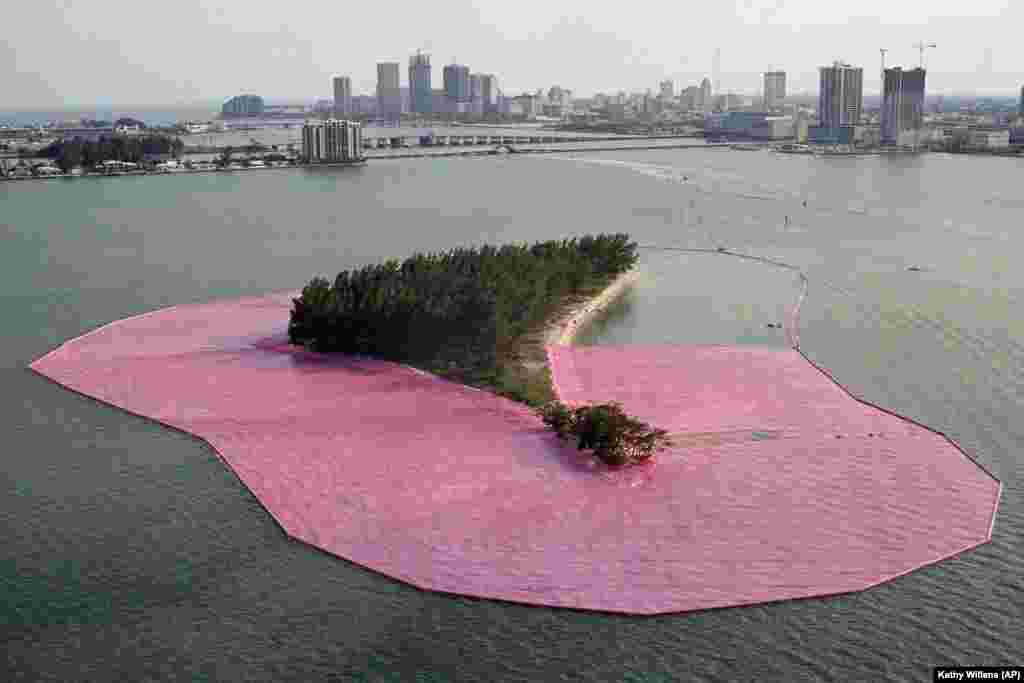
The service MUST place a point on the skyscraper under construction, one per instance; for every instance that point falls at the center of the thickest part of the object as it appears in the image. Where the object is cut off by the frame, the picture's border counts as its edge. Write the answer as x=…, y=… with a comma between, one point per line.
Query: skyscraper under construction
x=902, y=106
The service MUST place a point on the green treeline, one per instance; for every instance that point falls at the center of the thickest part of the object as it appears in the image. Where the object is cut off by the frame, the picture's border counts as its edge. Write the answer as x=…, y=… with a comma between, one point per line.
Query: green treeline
x=454, y=309
x=68, y=154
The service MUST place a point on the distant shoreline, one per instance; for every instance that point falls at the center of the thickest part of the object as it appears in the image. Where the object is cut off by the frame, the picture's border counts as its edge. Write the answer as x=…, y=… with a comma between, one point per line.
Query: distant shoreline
x=510, y=151
x=182, y=171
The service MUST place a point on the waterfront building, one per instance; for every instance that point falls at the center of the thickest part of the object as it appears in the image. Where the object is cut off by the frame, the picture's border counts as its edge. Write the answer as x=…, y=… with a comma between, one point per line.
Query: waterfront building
x=456, y=82
x=984, y=137
x=902, y=106
x=774, y=89
x=705, y=94
x=667, y=89
x=831, y=135
x=389, y=91
x=331, y=141
x=342, y=95
x=801, y=128
x=749, y=124
x=243, y=106
x=420, y=92
x=840, y=96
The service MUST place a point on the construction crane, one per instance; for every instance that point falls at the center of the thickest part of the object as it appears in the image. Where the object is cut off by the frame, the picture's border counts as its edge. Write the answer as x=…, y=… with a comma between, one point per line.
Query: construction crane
x=921, y=47
x=883, y=50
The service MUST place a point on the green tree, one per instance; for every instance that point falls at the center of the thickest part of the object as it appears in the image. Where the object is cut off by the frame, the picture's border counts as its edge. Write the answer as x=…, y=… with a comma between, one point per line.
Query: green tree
x=614, y=437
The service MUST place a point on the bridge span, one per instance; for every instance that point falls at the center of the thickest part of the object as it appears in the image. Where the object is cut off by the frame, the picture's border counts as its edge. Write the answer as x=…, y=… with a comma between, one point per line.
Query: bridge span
x=434, y=140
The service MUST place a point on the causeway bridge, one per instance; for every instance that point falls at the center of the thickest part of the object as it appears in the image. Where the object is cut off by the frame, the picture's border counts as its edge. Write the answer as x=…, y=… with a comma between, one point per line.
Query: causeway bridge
x=434, y=140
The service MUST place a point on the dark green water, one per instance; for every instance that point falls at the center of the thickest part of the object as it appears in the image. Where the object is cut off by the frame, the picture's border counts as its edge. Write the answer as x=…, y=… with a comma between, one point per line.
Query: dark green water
x=129, y=551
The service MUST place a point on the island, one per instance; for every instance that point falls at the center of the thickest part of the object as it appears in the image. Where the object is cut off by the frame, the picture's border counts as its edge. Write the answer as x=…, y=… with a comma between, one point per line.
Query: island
x=481, y=316
x=780, y=484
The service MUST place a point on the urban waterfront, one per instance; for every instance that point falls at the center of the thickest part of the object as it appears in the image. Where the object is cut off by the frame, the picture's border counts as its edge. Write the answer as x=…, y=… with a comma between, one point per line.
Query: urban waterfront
x=138, y=555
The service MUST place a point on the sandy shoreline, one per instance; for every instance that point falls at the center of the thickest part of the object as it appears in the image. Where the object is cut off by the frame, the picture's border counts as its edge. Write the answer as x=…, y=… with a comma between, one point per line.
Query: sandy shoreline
x=564, y=330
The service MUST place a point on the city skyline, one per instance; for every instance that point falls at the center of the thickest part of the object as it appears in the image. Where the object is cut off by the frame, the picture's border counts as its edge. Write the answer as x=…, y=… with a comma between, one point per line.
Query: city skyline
x=292, y=57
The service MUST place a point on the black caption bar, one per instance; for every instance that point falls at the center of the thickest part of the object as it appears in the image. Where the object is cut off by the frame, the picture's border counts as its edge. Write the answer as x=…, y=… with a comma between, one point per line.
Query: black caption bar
x=979, y=673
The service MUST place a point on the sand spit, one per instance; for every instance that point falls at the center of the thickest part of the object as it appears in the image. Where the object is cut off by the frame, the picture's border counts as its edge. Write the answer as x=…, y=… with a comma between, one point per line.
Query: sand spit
x=563, y=331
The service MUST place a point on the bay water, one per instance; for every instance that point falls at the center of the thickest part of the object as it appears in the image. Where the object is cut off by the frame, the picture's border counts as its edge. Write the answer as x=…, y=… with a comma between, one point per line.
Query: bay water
x=130, y=552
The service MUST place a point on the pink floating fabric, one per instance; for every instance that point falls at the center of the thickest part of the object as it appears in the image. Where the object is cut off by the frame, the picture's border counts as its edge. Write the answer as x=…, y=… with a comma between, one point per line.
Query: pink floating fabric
x=456, y=490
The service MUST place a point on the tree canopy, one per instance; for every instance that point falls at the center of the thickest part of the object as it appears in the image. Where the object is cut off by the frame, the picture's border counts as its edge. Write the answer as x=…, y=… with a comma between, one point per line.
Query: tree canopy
x=134, y=148
x=607, y=431
x=453, y=307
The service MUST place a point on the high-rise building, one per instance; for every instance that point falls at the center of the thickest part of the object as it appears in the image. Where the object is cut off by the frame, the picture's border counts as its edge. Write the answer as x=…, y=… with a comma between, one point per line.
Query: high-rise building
x=332, y=141
x=456, y=82
x=840, y=95
x=705, y=93
x=389, y=91
x=774, y=89
x=667, y=89
x=420, y=93
x=476, y=94
x=342, y=95
x=489, y=92
x=902, y=105
x=1020, y=106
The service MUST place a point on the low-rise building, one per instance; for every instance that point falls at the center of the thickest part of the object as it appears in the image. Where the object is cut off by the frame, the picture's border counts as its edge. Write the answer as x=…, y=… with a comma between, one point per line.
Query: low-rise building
x=746, y=124
x=989, y=138
x=826, y=135
x=528, y=105
x=800, y=129
x=869, y=135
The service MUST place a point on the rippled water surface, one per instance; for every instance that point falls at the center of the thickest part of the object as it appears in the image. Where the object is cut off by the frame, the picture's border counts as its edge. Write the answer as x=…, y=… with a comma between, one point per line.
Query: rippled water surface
x=131, y=553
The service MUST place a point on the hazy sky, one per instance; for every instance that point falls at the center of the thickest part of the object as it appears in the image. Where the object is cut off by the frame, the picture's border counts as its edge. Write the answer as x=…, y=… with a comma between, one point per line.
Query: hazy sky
x=94, y=52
